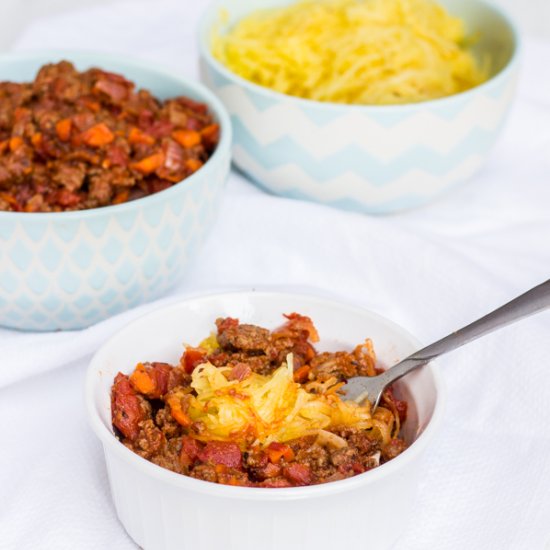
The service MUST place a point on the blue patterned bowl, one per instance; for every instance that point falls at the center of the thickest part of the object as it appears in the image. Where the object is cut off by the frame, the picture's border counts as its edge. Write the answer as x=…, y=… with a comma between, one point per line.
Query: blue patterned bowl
x=69, y=270
x=373, y=159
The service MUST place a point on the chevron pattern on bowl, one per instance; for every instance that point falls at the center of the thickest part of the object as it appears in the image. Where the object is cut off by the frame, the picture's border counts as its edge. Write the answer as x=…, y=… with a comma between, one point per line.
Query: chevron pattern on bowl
x=367, y=158
x=70, y=270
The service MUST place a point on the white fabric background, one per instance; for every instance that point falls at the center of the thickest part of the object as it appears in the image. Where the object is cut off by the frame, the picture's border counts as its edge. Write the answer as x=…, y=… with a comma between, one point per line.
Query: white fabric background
x=486, y=480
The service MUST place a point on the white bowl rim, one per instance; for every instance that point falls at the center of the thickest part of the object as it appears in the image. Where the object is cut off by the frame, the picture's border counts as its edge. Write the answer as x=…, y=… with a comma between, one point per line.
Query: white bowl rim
x=183, y=482
x=205, y=52
x=206, y=96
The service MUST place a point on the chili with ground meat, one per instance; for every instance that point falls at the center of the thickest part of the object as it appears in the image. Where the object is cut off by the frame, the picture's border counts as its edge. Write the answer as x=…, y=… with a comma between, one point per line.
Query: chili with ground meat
x=74, y=140
x=150, y=411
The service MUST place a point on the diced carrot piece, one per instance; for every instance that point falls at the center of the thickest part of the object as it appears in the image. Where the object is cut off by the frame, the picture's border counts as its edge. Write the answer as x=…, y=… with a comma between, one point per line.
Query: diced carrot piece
x=98, y=135
x=10, y=199
x=276, y=451
x=149, y=164
x=220, y=468
x=187, y=138
x=138, y=136
x=299, y=474
x=15, y=143
x=193, y=164
x=92, y=105
x=176, y=410
x=211, y=133
x=191, y=358
x=301, y=374
x=141, y=380
x=63, y=129
x=36, y=139
x=121, y=197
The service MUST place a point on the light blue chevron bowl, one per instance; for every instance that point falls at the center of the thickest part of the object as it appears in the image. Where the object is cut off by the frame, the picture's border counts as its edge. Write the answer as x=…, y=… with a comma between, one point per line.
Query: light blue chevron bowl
x=72, y=269
x=371, y=159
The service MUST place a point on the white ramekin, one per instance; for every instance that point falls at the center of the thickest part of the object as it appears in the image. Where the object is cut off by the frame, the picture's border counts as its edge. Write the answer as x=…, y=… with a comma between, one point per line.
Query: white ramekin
x=162, y=510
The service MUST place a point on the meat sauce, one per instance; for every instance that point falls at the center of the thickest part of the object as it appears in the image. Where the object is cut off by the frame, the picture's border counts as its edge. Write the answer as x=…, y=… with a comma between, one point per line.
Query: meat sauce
x=147, y=422
x=74, y=140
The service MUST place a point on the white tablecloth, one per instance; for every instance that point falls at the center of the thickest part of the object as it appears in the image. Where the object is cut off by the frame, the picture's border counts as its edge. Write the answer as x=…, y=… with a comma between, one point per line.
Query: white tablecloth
x=486, y=480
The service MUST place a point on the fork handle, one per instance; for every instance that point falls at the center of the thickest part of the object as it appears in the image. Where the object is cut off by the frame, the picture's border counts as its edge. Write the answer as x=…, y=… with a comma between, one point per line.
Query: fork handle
x=534, y=300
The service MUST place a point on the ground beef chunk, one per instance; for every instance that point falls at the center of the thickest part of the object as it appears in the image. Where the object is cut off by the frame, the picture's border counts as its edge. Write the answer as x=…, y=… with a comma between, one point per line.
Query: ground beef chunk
x=394, y=448
x=70, y=175
x=248, y=338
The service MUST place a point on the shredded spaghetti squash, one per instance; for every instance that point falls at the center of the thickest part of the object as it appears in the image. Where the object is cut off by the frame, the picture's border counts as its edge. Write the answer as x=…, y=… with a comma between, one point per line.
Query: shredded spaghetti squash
x=353, y=51
x=266, y=408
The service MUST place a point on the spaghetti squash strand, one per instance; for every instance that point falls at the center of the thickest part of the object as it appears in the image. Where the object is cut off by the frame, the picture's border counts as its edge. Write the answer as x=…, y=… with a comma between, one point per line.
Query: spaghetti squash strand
x=266, y=408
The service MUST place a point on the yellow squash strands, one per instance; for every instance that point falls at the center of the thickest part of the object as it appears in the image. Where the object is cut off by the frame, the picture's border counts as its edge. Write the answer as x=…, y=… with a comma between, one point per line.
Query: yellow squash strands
x=353, y=51
x=266, y=408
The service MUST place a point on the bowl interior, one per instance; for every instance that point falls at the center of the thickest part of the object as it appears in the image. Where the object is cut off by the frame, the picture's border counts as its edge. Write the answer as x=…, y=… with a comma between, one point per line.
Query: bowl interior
x=494, y=34
x=159, y=336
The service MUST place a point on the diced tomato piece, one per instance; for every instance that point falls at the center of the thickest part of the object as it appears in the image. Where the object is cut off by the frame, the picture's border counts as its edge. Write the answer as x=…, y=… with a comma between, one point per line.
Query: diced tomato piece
x=160, y=128
x=301, y=322
x=64, y=197
x=115, y=90
x=145, y=118
x=240, y=372
x=125, y=407
x=160, y=373
x=117, y=156
x=190, y=449
x=193, y=124
x=222, y=452
x=191, y=358
x=297, y=473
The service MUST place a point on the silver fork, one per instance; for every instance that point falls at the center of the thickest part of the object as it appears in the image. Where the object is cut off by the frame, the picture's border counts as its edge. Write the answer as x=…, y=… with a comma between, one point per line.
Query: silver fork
x=371, y=387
